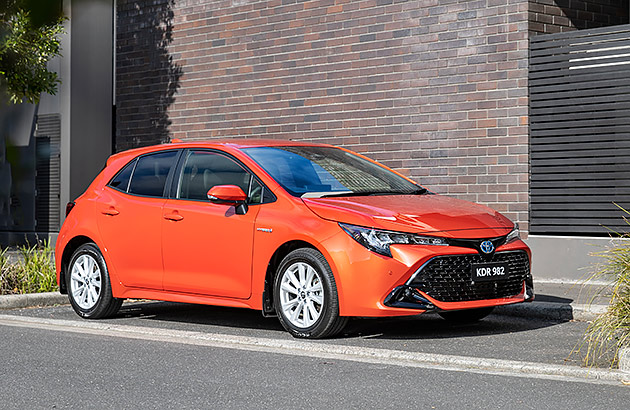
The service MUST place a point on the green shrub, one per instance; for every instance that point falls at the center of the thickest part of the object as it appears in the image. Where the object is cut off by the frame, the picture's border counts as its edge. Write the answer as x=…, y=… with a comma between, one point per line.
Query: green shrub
x=611, y=330
x=33, y=272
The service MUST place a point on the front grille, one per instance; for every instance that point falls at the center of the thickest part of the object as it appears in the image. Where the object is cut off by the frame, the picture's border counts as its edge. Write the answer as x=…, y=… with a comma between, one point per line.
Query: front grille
x=448, y=278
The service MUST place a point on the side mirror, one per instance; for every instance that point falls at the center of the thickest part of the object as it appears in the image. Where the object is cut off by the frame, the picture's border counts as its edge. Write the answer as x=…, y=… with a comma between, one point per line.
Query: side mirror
x=230, y=195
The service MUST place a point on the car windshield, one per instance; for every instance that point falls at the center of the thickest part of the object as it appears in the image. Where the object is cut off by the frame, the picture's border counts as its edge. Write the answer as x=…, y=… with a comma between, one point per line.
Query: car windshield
x=328, y=171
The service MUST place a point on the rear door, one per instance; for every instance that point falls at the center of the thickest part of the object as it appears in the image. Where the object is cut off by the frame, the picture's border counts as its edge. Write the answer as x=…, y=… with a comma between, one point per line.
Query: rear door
x=130, y=219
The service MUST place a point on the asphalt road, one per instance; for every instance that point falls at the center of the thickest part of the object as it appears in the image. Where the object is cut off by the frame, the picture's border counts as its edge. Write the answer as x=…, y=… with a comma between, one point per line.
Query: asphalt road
x=46, y=366
x=497, y=336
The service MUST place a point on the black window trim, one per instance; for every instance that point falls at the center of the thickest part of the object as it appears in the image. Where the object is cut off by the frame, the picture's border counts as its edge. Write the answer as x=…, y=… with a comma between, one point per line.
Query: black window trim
x=180, y=166
x=133, y=171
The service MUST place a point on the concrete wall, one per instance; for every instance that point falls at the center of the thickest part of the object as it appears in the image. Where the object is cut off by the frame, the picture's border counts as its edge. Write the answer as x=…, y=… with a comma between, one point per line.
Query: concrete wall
x=568, y=259
x=91, y=91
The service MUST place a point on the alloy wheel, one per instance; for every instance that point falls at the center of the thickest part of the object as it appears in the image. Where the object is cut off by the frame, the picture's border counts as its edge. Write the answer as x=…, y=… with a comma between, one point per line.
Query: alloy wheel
x=85, y=281
x=301, y=295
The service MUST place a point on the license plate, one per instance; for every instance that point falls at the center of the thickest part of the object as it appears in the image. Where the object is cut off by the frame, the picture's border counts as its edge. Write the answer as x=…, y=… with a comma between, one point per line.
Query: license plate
x=485, y=272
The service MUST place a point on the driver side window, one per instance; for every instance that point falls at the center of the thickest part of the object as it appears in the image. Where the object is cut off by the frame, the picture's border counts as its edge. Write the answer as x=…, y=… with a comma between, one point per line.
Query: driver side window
x=203, y=170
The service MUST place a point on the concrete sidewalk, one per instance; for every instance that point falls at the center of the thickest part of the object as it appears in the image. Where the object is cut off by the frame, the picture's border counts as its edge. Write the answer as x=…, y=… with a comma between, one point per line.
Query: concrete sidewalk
x=557, y=300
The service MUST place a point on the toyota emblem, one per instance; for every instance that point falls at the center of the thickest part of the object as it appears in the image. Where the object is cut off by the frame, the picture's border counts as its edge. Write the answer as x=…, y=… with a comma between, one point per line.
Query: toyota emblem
x=487, y=247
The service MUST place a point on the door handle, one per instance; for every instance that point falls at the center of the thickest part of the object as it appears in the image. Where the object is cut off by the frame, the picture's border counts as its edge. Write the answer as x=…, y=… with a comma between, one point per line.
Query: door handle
x=111, y=211
x=173, y=217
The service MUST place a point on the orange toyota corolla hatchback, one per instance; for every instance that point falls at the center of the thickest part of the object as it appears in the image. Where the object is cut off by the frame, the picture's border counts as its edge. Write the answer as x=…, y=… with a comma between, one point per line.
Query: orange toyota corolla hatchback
x=312, y=233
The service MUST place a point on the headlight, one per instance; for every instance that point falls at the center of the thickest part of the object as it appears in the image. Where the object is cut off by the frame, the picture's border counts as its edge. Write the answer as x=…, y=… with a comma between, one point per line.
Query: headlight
x=514, y=235
x=378, y=241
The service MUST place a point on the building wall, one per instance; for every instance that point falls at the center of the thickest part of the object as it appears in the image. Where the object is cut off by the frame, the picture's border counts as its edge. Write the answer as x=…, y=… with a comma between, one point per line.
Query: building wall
x=91, y=91
x=555, y=16
x=146, y=75
x=570, y=258
x=434, y=88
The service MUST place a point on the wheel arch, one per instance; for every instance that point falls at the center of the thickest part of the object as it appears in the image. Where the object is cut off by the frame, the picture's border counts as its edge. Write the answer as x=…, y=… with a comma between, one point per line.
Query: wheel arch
x=68, y=251
x=277, y=257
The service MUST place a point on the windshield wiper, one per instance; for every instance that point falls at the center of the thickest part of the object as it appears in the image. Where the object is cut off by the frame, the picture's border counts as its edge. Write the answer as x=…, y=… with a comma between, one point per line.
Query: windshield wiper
x=419, y=191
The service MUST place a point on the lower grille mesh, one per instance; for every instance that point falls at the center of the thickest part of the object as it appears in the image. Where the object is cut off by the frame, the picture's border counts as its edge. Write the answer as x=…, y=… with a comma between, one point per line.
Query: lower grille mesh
x=448, y=278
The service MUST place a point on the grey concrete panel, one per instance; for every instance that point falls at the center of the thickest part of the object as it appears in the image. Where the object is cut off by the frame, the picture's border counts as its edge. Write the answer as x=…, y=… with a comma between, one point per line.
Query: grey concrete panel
x=567, y=258
x=91, y=91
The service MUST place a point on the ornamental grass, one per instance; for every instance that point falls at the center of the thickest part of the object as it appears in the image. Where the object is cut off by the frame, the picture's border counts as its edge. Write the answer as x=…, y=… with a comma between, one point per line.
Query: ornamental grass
x=32, y=271
x=611, y=331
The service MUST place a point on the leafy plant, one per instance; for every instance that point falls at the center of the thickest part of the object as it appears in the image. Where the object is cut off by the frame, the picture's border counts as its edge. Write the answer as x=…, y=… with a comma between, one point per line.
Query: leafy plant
x=33, y=272
x=28, y=40
x=611, y=330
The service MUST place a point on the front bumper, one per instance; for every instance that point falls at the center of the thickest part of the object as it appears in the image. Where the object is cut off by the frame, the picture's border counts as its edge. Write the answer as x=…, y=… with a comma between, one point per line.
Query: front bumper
x=372, y=285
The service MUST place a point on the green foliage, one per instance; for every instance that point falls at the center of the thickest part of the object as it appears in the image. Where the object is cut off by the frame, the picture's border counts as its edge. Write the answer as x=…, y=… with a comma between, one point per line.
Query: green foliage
x=4, y=268
x=34, y=270
x=611, y=330
x=28, y=40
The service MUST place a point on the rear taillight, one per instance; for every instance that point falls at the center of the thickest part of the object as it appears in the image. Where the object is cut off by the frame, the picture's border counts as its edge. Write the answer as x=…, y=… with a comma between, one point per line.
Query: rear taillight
x=69, y=207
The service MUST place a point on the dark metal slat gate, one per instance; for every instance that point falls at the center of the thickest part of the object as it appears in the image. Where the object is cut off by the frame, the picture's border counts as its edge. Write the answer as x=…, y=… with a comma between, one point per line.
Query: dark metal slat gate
x=579, y=85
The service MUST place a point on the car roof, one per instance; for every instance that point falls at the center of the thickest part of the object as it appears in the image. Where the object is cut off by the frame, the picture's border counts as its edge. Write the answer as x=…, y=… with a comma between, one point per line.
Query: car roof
x=231, y=143
x=253, y=142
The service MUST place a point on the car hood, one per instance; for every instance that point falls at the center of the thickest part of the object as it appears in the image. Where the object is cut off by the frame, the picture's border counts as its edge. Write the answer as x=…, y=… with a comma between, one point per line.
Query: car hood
x=424, y=214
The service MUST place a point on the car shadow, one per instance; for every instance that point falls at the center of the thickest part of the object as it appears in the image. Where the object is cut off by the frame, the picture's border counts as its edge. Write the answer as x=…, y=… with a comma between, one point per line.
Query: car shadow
x=197, y=314
x=424, y=326
x=553, y=299
x=432, y=326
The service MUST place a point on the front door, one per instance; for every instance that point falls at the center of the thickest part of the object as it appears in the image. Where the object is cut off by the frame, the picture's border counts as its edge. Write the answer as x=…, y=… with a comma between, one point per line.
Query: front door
x=206, y=247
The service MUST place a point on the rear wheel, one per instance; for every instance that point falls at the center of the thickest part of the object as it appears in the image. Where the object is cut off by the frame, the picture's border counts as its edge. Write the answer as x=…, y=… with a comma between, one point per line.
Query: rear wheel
x=305, y=295
x=88, y=284
x=468, y=315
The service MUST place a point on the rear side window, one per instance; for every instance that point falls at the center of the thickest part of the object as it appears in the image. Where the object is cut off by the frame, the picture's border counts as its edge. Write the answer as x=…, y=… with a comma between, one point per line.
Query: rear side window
x=149, y=176
x=121, y=180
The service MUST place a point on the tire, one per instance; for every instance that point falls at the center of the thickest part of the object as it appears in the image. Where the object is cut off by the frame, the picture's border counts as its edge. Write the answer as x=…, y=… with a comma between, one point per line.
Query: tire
x=305, y=296
x=88, y=284
x=467, y=316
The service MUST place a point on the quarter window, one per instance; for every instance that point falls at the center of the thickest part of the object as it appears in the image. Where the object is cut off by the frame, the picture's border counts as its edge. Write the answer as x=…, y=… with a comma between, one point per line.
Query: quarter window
x=121, y=180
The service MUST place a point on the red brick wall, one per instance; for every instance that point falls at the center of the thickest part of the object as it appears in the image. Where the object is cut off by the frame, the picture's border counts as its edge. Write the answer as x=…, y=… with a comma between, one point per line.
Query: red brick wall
x=434, y=88
x=554, y=16
x=147, y=77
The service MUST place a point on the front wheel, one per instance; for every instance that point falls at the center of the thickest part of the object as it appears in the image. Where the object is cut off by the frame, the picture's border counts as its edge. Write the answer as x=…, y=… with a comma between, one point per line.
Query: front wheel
x=88, y=284
x=468, y=315
x=305, y=295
